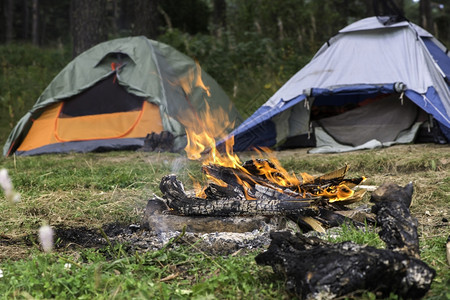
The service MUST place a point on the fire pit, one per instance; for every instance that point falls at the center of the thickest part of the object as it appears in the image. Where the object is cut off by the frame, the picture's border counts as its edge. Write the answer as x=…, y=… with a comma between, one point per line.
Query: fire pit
x=243, y=210
x=313, y=267
x=246, y=197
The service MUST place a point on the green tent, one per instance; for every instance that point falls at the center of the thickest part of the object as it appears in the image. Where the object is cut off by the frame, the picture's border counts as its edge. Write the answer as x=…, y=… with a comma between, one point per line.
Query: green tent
x=113, y=96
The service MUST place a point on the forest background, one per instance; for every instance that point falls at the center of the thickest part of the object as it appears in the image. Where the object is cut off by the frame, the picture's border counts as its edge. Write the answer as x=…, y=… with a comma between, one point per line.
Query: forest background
x=251, y=47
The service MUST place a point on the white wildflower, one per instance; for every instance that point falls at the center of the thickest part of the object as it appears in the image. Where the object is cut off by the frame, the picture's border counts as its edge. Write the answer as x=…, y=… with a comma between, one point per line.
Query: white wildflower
x=5, y=181
x=7, y=186
x=1, y=273
x=46, y=238
x=15, y=197
x=67, y=266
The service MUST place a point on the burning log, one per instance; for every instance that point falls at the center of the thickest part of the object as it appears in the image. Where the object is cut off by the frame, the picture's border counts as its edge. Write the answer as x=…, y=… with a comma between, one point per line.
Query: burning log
x=313, y=266
x=260, y=187
x=265, y=173
x=156, y=219
x=181, y=203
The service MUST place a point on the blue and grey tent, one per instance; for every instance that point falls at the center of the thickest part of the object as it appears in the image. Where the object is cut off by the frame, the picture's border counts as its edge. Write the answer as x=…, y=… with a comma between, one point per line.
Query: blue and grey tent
x=369, y=86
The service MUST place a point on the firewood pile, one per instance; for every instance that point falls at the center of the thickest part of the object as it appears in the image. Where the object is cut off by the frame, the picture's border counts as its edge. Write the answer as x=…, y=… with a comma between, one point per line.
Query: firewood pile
x=254, y=190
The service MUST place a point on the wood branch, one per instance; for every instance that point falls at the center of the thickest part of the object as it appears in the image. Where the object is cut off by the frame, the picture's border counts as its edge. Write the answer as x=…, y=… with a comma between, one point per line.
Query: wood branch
x=313, y=267
x=181, y=203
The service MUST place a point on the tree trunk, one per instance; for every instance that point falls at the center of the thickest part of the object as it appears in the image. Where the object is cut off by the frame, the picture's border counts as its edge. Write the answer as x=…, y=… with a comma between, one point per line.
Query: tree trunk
x=9, y=17
x=425, y=15
x=116, y=16
x=87, y=24
x=146, y=18
x=35, y=23
x=26, y=19
x=219, y=16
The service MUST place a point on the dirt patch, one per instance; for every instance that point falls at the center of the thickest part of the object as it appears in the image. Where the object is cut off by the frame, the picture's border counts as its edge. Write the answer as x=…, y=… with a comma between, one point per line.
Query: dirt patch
x=81, y=237
x=15, y=248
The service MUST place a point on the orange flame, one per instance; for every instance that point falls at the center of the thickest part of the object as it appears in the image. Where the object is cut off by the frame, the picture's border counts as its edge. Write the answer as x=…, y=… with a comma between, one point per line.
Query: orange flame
x=193, y=79
x=336, y=193
x=204, y=128
x=306, y=177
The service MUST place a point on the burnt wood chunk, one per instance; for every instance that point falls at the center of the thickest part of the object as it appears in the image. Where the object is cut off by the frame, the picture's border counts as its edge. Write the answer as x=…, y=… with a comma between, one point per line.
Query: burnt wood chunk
x=343, y=269
x=398, y=227
x=216, y=192
x=314, y=267
x=231, y=175
x=394, y=193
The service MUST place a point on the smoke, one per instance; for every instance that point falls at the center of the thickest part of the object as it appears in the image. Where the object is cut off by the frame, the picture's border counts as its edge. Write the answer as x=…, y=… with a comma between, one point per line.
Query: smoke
x=178, y=165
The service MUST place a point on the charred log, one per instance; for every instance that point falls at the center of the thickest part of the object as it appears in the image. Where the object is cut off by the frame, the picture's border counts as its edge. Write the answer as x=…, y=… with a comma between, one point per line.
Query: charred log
x=393, y=193
x=333, y=218
x=313, y=267
x=398, y=227
x=252, y=190
x=310, y=213
x=216, y=192
x=156, y=218
x=265, y=173
x=181, y=203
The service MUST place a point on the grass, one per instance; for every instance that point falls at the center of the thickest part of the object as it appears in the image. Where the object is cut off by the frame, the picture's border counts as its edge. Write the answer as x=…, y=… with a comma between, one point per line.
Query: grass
x=111, y=273
x=84, y=189
x=95, y=189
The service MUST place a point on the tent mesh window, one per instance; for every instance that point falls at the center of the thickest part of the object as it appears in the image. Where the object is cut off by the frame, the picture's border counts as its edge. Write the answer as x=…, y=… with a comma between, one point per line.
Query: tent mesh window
x=108, y=96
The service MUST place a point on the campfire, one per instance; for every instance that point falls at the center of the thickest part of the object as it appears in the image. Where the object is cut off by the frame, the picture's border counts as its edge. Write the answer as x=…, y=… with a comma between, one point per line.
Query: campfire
x=260, y=189
x=260, y=186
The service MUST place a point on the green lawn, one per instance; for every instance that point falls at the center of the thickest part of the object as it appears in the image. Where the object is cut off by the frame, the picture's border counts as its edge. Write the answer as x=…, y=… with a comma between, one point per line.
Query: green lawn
x=96, y=189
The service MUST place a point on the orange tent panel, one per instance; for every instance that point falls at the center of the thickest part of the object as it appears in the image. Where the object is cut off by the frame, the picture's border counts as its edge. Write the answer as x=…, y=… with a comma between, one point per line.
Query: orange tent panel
x=49, y=128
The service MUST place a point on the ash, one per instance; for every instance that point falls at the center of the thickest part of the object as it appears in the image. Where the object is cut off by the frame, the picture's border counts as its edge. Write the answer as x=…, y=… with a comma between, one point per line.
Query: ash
x=214, y=243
